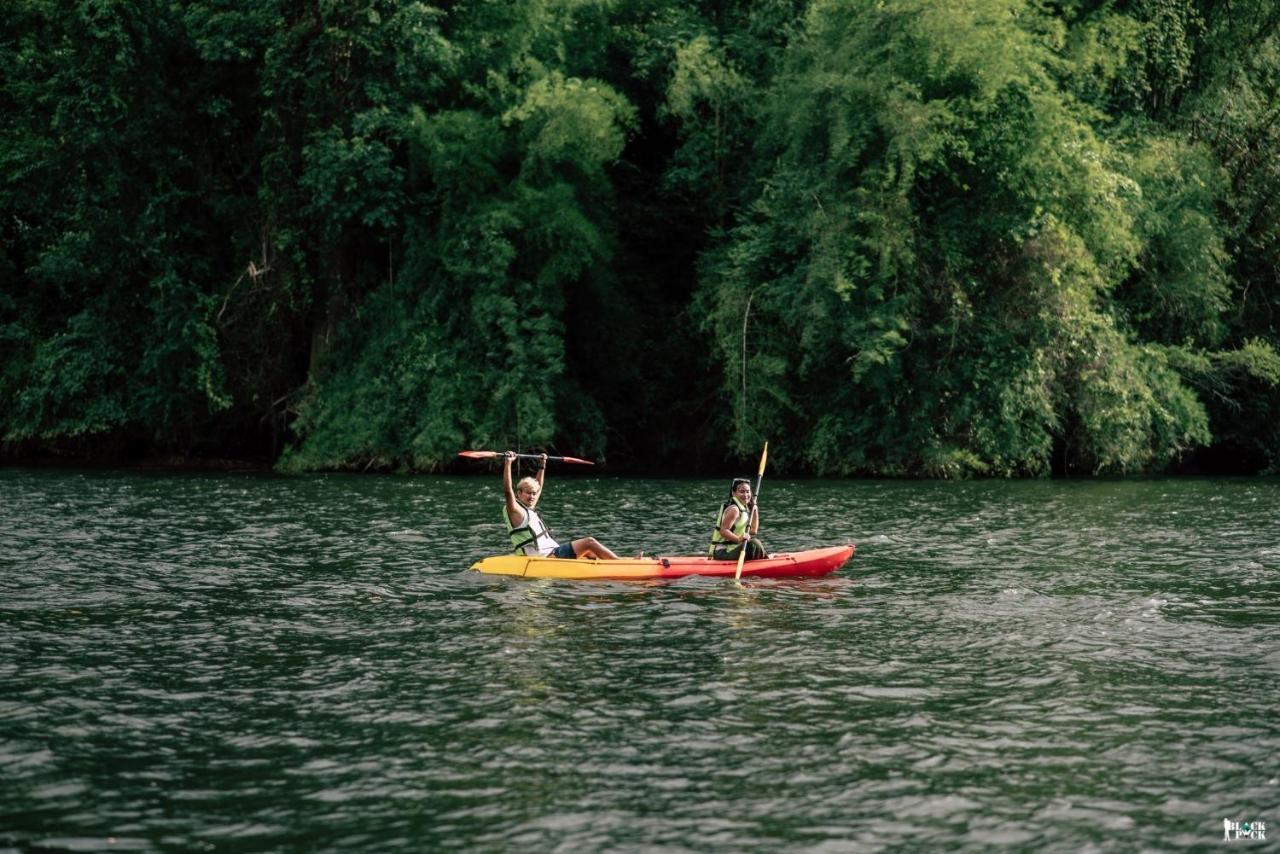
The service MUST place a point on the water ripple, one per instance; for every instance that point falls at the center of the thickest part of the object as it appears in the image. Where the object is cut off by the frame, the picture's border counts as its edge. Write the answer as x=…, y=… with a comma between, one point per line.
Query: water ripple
x=245, y=661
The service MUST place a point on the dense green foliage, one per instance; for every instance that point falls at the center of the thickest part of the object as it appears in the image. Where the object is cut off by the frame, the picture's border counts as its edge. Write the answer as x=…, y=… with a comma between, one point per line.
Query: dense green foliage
x=993, y=237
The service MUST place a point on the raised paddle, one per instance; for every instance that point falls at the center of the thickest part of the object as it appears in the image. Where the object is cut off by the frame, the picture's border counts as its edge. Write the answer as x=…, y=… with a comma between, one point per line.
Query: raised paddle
x=742, y=555
x=493, y=455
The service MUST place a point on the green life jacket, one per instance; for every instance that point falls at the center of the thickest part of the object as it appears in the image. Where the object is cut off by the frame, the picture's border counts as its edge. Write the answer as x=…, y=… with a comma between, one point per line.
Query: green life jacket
x=531, y=538
x=739, y=525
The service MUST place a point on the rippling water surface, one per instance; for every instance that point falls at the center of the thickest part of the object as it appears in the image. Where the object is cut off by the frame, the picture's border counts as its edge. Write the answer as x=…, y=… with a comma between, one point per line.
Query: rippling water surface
x=250, y=662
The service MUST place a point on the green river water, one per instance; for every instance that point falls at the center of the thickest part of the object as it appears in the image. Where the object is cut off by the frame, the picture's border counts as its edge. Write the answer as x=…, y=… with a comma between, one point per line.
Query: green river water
x=240, y=662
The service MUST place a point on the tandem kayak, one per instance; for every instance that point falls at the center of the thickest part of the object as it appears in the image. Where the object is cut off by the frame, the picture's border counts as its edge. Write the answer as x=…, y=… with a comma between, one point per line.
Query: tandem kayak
x=796, y=564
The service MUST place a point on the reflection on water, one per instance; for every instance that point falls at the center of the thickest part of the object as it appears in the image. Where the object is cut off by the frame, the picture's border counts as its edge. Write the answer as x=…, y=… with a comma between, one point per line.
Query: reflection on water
x=196, y=661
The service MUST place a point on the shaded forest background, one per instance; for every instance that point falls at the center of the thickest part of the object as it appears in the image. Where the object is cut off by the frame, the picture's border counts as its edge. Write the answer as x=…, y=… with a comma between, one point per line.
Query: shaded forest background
x=900, y=237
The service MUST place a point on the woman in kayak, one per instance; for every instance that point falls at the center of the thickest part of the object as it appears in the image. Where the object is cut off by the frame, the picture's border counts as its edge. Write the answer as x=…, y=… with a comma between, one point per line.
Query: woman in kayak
x=529, y=534
x=731, y=535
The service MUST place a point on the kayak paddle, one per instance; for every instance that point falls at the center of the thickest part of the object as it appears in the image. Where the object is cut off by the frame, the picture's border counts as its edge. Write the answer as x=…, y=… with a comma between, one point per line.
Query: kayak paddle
x=742, y=555
x=493, y=455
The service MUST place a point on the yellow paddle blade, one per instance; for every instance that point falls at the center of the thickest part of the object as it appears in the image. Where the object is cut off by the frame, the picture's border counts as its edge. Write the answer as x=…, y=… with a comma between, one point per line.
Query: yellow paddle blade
x=763, y=457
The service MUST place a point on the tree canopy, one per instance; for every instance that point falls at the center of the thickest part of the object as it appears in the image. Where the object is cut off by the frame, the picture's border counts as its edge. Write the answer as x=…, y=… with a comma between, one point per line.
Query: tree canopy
x=893, y=237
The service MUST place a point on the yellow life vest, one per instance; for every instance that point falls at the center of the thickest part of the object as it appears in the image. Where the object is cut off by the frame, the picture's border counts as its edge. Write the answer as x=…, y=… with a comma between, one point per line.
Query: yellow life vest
x=739, y=525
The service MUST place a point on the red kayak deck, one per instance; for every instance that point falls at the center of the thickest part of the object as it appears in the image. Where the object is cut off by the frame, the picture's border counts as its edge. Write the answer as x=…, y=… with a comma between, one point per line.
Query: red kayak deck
x=810, y=563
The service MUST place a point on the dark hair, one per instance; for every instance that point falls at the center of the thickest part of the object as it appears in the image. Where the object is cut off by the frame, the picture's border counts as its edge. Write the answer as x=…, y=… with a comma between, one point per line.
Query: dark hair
x=738, y=480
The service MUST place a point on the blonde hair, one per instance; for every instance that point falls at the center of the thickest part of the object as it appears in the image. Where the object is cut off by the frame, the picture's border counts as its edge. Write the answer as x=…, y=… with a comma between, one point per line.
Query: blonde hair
x=531, y=482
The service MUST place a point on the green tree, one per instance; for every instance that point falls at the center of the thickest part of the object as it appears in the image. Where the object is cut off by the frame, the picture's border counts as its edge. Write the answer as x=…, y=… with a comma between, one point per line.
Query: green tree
x=1234, y=110
x=994, y=237
x=924, y=282
x=106, y=326
x=508, y=215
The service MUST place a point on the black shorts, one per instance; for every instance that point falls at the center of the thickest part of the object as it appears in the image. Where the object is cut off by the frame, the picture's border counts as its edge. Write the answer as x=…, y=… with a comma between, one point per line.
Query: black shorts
x=755, y=551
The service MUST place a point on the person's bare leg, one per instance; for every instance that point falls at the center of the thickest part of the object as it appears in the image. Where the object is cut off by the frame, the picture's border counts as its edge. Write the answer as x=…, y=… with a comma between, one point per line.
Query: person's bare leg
x=590, y=547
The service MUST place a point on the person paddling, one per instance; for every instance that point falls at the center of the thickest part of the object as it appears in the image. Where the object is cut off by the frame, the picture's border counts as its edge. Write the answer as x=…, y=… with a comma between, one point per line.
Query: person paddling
x=731, y=535
x=529, y=534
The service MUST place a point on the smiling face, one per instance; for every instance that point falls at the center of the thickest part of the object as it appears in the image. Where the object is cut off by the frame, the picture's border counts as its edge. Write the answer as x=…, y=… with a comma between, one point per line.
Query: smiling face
x=527, y=492
x=743, y=492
